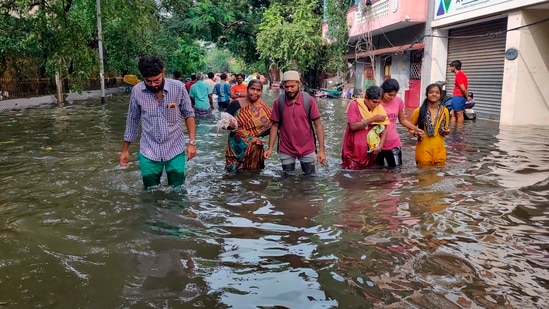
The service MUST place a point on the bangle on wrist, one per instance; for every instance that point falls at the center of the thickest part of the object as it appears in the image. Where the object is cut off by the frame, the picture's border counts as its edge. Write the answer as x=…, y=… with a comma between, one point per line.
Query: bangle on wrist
x=365, y=123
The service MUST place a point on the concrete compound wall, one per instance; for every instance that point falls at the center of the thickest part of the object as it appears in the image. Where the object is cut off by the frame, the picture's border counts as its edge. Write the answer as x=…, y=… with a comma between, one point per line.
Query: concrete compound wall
x=22, y=103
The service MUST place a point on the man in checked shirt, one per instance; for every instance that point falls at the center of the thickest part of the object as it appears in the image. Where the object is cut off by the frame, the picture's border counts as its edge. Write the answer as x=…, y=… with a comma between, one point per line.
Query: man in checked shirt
x=161, y=104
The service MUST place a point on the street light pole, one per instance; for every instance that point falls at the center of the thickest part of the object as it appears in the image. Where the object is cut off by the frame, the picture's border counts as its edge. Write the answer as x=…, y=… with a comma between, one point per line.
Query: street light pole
x=100, y=39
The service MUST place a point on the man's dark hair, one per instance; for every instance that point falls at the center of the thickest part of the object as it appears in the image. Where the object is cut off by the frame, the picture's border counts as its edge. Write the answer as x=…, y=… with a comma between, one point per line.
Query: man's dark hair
x=150, y=66
x=456, y=64
x=241, y=75
x=223, y=76
x=211, y=75
x=193, y=76
x=177, y=75
x=390, y=85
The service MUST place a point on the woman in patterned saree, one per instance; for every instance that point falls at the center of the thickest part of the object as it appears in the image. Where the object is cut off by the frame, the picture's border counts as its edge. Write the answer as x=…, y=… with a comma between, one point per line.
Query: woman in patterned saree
x=246, y=139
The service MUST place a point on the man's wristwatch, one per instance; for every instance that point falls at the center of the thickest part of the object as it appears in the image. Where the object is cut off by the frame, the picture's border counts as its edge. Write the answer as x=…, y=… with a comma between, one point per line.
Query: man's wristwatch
x=193, y=142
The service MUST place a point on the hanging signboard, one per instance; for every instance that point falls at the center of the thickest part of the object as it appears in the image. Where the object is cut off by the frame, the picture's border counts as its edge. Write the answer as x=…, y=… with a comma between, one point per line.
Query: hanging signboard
x=445, y=8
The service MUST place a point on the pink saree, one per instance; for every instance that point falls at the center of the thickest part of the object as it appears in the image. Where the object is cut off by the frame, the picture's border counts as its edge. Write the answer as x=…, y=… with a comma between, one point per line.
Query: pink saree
x=354, y=153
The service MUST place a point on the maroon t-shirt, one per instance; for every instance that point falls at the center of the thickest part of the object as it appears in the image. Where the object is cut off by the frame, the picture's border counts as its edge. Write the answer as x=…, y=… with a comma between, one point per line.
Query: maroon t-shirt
x=295, y=134
x=189, y=84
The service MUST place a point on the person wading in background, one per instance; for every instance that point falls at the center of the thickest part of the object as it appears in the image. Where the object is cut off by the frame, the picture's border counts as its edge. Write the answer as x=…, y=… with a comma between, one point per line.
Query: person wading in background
x=460, y=94
x=201, y=97
x=223, y=91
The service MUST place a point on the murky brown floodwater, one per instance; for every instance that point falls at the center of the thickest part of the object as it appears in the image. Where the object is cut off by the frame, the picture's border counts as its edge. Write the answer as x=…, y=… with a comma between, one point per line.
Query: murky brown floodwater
x=77, y=232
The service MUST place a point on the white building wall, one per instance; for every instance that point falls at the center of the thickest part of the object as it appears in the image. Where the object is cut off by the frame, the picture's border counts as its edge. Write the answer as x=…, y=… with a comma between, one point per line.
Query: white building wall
x=525, y=94
x=435, y=53
x=400, y=70
x=400, y=67
x=436, y=57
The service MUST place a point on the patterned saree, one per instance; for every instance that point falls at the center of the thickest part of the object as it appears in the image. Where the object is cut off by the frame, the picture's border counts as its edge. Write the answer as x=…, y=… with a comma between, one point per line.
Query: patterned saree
x=245, y=145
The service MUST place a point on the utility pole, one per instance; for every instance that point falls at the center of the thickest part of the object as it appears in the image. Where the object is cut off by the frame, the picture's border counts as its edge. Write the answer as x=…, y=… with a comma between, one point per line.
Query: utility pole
x=100, y=39
x=59, y=87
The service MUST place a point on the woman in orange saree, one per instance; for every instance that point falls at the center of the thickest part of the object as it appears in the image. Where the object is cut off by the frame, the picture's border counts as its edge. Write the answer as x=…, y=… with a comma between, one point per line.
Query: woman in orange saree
x=246, y=139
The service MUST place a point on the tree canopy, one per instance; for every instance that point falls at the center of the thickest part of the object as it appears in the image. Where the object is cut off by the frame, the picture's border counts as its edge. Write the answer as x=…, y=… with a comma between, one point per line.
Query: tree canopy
x=40, y=38
x=290, y=35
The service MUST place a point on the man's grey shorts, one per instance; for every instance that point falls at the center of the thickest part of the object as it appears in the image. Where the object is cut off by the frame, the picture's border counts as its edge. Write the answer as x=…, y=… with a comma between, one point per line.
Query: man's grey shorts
x=288, y=159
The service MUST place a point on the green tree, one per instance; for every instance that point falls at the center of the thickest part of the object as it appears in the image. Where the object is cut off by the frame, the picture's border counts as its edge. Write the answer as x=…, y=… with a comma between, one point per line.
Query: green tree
x=54, y=36
x=238, y=66
x=13, y=42
x=232, y=25
x=290, y=37
x=39, y=39
x=217, y=60
x=50, y=39
x=180, y=50
x=338, y=33
x=269, y=32
x=129, y=31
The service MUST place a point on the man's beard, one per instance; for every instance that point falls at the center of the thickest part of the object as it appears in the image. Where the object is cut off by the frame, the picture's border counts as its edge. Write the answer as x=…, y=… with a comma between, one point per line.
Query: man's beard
x=156, y=89
x=290, y=95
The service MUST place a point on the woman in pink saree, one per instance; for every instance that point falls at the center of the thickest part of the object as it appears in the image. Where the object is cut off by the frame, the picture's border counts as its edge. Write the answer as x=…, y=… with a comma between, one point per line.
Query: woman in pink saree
x=363, y=115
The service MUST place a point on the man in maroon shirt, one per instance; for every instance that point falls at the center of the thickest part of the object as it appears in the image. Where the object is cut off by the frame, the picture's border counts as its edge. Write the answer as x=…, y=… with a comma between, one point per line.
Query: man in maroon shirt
x=295, y=135
x=190, y=83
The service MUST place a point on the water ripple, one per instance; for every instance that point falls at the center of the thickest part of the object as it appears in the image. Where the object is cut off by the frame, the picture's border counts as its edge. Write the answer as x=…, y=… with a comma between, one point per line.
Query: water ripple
x=78, y=231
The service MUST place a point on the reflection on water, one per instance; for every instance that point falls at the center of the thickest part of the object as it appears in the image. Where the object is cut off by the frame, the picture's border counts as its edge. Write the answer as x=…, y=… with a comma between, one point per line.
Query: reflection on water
x=78, y=232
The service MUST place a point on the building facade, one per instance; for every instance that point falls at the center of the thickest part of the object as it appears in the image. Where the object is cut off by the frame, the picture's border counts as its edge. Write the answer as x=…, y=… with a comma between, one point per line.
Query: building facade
x=385, y=41
x=503, y=46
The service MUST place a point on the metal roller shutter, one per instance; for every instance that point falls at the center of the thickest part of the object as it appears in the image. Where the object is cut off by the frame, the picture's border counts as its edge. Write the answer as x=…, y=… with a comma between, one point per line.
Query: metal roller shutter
x=482, y=60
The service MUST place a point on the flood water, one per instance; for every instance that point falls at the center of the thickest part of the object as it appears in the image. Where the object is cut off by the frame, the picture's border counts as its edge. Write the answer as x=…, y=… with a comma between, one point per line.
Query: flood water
x=78, y=232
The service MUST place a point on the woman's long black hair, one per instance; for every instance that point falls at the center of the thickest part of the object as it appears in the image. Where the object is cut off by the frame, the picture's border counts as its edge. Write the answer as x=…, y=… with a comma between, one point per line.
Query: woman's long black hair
x=423, y=108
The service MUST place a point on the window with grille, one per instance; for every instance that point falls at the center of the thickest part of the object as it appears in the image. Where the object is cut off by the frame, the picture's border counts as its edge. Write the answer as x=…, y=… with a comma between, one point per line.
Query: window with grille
x=415, y=63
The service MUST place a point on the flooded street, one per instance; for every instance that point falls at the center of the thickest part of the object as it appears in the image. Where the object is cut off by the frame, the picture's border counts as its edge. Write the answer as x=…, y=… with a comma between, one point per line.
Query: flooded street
x=76, y=231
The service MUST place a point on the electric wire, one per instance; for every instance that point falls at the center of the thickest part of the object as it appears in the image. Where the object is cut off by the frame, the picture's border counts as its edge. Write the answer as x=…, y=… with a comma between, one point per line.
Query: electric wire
x=487, y=35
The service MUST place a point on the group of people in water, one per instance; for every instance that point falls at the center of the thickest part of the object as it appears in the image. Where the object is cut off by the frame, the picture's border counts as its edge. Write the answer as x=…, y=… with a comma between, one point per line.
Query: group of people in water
x=370, y=138
x=377, y=114
x=294, y=121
